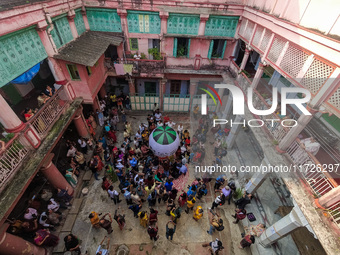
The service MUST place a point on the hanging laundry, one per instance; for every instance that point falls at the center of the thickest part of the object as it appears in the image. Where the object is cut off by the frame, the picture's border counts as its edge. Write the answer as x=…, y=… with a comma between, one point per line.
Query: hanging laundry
x=120, y=69
x=128, y=68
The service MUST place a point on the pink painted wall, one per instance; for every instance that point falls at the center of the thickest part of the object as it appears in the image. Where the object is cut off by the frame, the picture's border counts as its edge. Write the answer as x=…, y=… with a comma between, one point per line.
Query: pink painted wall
x=168, y=46
x=88, y=86
x=199, y=46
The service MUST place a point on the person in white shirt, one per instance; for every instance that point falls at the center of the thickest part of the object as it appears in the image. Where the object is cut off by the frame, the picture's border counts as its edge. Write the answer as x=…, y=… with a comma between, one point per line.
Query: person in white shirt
x=31, y=214
x=160, y=123
x=158, y=115
x=43, y=221
x=53, y=205
x=170, y=123
x=114, y=195
x=180, y=129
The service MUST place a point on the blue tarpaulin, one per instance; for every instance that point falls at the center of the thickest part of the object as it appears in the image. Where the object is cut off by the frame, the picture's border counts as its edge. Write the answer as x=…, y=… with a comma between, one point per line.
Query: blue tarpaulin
x=27, y=76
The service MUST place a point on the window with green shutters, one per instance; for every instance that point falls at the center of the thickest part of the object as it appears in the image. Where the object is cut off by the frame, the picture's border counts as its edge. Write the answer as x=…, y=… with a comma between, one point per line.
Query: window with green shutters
x=181, y=47
x=79, y=22
x=73, y=71
x=105, y=20
x=144, y=22
x=217, y=48
x=61, y=33
x=186, y=24
x=133, y=44
x=221, y=26
x=19, y=51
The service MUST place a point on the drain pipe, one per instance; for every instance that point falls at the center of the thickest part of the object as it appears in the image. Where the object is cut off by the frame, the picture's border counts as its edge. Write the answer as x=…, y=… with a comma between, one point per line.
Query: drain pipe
x=49, y=29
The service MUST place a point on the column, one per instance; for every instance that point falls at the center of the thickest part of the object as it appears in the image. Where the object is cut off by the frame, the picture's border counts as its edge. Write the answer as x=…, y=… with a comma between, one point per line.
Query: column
x=56, y=70
x=330, y=198
x=258, y=75
x=203, y=21
x=70, y=16
x=280, y=229
x=290, y=137
x=228, y=107
x=86, y=22
x=162, y=87
x=53, y=175
x=257, y=179
x=235, y=129
x=95, y=105
x=164, y=22
x=123, y=19
x=245, y=59
x=80, y=123
x=49, y=45
x=193, y=89
x=132, y=87
x=9, y=119
x=102, y=92
x=14, y=245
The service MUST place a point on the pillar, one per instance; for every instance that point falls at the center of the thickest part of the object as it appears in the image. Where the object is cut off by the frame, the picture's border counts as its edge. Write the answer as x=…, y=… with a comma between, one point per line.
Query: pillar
x=14, y=245
x=95, y=105
x=53, y=175
x=193, y=89
x=245, y=59
x=164, y=22
x=283, y=227
x=80, y=123
x=123, y=19
x=162, y=87
x=257, y=179
x=86, y=21
x=70, y=16
x=330, y=198
x=9, y=119
x=132, y=87
x=49, y=46
x=228, y=107
x=203, y=21
x=102, y=92
x=290, y=137
x=56, y=70
x=235, y=129
x=258, y=75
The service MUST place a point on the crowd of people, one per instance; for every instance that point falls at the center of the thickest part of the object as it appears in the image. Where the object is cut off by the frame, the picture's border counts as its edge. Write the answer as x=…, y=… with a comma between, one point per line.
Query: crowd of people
x=132, y=171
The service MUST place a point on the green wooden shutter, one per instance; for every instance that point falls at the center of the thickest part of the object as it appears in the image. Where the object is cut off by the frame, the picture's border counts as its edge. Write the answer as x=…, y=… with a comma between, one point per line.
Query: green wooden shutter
x=221, y=26
x=210, y=49
x=79, y=22
x=105, y=20
x=188, y=48
x=19, y=51
x=224, y=46
x=175, y=47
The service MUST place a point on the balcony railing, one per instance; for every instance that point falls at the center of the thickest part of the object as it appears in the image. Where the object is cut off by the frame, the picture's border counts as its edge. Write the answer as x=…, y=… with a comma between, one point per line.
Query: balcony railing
x=48, y=114
x=10, y=159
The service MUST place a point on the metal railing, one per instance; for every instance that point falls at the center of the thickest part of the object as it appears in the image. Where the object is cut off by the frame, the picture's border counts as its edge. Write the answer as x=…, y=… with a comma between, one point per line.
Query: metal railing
x=10, y=159
x=318, y=180
x=48, y=114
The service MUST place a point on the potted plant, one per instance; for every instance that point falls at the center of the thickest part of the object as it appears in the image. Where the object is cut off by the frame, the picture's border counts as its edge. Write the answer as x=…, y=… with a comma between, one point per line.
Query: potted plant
x=143, y=56
x=155, y=53
x=237, y=194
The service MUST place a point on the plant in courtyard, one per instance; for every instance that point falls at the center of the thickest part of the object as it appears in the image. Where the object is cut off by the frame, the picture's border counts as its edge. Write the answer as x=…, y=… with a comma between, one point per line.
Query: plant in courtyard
x=155, y=53
x=275, y=142
x=237, y=194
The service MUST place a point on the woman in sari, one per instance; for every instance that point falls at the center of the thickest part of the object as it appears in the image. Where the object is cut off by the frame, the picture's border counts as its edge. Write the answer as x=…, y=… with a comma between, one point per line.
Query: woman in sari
x=45, y=238
x=198, y=213
x=92, y=121
x=143, y=219
x=91, y=130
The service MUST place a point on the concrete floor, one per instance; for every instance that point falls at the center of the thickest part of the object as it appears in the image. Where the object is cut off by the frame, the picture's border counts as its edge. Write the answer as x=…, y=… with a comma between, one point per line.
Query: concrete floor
x=189, y=234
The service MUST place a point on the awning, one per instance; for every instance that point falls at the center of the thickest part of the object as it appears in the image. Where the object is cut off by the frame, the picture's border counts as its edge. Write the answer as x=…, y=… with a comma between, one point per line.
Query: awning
x=87, y=49
x=27, y=76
